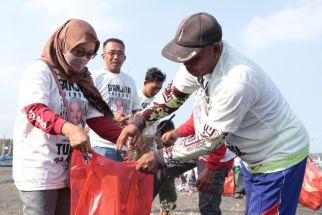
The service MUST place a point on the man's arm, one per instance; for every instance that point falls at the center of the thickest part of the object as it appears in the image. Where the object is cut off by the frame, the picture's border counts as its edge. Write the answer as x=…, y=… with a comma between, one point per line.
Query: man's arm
x=105, y=128
x=191, y=147
x=170, y=100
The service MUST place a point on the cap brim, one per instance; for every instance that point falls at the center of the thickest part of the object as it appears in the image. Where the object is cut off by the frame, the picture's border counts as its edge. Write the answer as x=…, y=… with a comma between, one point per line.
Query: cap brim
x=177, y=53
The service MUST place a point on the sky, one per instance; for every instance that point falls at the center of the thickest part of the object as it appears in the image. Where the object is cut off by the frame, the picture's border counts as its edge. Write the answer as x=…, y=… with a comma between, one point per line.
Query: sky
x=283, y=37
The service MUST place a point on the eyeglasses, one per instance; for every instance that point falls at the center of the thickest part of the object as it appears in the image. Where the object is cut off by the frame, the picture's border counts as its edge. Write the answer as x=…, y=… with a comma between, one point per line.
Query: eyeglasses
x=81, y=52
x=117, y=53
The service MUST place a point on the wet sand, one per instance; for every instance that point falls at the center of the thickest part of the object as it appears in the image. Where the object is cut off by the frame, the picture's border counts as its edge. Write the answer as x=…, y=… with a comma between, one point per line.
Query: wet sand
x=187, y=203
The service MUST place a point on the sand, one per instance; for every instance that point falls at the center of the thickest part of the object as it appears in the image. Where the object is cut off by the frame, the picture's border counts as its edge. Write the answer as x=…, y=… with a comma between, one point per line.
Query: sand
x=187, y=202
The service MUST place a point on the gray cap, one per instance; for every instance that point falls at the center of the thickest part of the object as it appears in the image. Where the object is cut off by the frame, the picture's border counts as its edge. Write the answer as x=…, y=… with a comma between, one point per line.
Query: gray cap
x=193, y=33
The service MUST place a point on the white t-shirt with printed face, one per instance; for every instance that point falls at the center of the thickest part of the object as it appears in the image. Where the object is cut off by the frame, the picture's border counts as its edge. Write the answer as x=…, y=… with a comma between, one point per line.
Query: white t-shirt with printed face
x=40, y=160
x=120, y=93
x=244, y=102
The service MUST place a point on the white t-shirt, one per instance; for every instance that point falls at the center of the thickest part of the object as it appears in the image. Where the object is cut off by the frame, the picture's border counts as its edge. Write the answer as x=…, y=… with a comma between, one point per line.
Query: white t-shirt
x=145, y=101
x=120, y=93
x=244, y=102
x=40, y=160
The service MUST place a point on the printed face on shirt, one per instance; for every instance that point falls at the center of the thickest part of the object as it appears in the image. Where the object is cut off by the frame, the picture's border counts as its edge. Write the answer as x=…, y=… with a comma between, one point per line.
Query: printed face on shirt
x=151, y=88
x=114, y=56
x=119, y=104
x=205, y=62
x=76, y=111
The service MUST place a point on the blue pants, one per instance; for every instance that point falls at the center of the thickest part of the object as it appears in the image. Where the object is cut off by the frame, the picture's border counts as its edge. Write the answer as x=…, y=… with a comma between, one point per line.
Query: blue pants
x=109, y=153
x=274, y=193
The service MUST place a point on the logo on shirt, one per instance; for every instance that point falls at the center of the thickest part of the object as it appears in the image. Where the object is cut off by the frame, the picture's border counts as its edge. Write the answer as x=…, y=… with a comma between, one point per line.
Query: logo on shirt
x=118, y=88
x=64, y=151
x=236, y=150
x=205, y=87
x=144, y=104
x=70, y=89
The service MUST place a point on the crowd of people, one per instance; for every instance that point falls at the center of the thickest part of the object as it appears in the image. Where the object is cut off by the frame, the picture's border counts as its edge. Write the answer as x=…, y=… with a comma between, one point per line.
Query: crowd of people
x=238, y=112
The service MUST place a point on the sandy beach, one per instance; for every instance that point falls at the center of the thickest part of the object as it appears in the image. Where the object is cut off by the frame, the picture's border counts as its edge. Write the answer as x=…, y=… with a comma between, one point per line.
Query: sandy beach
x=187, y=202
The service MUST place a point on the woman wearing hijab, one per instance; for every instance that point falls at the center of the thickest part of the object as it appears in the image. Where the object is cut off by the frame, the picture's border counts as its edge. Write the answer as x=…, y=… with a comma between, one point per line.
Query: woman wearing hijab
x=43, y=136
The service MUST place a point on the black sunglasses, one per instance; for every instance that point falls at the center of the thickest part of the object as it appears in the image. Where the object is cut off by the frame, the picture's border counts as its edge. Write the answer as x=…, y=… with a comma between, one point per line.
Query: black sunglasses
x=81, y=52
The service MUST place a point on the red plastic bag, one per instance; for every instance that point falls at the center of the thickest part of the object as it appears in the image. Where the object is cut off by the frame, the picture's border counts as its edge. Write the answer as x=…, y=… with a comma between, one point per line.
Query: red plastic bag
x=311, y=193
x=229, y=186
x=104, y=186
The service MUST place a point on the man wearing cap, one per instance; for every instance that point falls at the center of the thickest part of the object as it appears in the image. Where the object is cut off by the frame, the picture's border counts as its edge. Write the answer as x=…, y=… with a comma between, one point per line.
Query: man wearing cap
x=245, y=108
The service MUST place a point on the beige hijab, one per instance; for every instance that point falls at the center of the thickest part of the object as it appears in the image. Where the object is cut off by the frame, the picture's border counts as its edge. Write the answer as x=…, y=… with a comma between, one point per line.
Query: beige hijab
x=68, y=36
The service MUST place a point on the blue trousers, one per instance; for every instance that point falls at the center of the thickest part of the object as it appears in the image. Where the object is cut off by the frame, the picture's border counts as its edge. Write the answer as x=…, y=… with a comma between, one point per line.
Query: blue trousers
x=274, y=193
x=109, y=153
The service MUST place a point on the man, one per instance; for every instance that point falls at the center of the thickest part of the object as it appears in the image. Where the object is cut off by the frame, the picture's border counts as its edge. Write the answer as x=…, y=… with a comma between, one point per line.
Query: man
x=118, y=90
x=212, y=168
x=245, y=108
x=153, y=82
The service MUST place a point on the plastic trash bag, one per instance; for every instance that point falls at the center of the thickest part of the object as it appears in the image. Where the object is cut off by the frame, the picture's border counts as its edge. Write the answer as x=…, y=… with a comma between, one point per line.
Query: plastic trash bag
x=229, y=186
x=104, y=186
x=311, y=193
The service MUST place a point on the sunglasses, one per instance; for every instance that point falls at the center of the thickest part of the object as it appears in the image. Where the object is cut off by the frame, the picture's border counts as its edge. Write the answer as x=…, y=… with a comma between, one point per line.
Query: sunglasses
x=81, y=52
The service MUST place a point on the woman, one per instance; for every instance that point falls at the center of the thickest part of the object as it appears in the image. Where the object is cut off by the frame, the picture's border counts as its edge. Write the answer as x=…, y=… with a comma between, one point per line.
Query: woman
x=43, y=137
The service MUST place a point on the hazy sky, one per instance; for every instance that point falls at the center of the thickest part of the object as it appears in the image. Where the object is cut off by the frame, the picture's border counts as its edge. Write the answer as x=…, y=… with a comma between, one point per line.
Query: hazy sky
x=283, y=37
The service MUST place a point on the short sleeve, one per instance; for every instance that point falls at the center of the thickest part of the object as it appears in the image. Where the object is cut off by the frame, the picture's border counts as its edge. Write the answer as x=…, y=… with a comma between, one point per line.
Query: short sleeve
x=36, y=84
x=136, y=105
x=185, y=82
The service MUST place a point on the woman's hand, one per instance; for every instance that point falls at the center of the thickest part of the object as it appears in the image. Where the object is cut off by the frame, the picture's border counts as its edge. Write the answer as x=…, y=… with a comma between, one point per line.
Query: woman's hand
x=77, y=137
x=121, y=119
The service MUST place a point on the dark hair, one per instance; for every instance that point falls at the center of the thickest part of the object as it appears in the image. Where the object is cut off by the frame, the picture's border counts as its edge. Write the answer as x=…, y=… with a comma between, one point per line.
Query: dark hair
x=155, y=74
x=113, y=40
x=166, y=126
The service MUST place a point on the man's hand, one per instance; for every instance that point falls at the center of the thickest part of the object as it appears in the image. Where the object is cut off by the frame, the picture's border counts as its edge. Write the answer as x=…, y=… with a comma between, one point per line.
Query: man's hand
x=205, y=179
x=130, y=131
x=170, y=137
x=147, y=163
